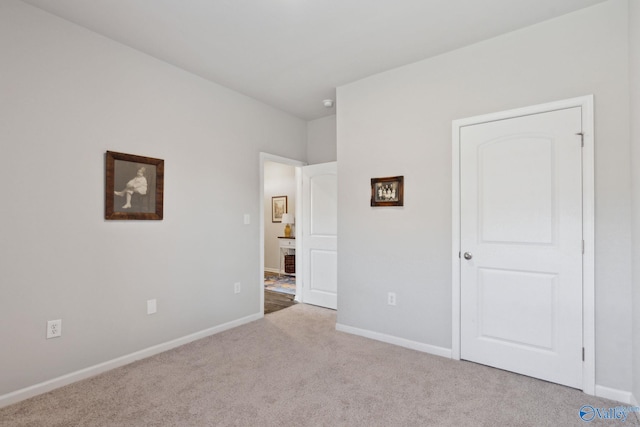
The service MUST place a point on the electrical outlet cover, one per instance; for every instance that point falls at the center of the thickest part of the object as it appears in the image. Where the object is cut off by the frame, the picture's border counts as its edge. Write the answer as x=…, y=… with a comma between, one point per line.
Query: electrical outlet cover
x=54, y=328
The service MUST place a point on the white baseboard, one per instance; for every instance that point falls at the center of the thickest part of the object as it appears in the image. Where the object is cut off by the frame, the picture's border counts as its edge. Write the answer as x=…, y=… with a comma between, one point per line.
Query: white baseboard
x=390, y=339
x=46, y=386
x=614, y=394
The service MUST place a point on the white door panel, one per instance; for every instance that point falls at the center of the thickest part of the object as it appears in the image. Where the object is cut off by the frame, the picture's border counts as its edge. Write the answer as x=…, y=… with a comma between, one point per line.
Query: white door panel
x=319, y=234
x=506, y=216
x=503, y=314
x=324, y=204
x=521, y=224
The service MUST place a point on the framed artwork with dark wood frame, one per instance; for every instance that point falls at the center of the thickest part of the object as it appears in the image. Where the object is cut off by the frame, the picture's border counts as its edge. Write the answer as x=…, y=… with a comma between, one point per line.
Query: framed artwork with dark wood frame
x=134, y=187
x=278, y=207
x=387, y=191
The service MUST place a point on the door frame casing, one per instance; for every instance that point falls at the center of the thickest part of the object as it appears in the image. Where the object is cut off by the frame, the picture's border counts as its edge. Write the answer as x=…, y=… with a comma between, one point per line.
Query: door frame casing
x=588, y=226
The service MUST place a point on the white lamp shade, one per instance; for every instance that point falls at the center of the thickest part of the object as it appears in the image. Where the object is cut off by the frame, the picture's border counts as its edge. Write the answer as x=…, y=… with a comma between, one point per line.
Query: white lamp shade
x=287, y=218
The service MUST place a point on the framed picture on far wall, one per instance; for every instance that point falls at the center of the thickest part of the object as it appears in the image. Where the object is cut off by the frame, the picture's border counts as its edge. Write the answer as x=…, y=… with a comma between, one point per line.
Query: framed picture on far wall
x=387, y=191
x=134, y=187
x=278, y=207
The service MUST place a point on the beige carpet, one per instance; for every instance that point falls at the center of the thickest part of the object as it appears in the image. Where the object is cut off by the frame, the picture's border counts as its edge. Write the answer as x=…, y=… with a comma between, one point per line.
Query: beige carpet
x=293, y=369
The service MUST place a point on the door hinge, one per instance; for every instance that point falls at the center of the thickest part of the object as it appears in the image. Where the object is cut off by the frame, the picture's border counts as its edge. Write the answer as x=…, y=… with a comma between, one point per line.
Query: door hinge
x=459, y=255
x=581, y=138
x=583, y=354
x=583, y=247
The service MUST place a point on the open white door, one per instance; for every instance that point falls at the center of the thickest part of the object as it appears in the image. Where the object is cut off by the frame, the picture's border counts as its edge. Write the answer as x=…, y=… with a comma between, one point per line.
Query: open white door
x=320, y=234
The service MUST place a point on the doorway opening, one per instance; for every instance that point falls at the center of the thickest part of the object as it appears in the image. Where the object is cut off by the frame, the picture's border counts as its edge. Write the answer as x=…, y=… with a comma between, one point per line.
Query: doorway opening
x=307, y=256
x=279, y=204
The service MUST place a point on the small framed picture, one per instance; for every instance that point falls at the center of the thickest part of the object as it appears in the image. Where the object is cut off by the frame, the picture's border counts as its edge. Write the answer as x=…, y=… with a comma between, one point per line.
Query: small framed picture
x=278, y=207
x=134, y=187
x=387, y=191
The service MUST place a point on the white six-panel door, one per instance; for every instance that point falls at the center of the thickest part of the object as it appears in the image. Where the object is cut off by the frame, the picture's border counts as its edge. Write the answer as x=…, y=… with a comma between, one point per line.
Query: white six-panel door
x=521, y=245
x=320, y=234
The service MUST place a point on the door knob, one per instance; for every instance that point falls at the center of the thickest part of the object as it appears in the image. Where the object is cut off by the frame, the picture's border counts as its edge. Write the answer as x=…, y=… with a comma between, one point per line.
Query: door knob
x=468, y=255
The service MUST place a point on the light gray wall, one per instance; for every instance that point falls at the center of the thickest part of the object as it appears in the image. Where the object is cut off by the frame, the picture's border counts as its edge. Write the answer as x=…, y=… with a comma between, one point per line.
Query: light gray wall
x=69, y=95
x=321, y=140
x=399, y=123
x=634, y=52
x=279, y=180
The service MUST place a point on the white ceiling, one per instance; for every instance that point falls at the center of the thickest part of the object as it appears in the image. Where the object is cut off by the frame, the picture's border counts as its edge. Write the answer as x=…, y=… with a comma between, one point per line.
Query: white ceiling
x=292, y=54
